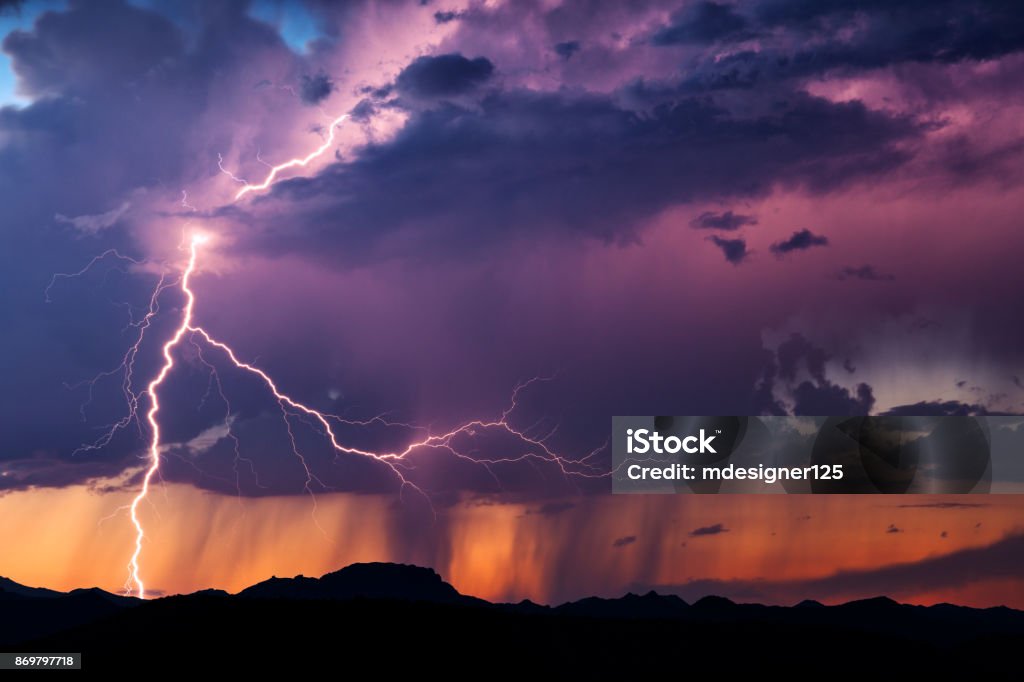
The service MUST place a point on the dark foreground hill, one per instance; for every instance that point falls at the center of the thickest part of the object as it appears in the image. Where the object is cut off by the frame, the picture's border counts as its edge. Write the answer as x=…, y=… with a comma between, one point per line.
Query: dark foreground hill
x=391, y=619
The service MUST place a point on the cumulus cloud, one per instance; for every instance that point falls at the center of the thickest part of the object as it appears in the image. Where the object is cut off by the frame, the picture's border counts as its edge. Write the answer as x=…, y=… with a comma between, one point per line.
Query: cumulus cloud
x=794, y=380
x=588, y=167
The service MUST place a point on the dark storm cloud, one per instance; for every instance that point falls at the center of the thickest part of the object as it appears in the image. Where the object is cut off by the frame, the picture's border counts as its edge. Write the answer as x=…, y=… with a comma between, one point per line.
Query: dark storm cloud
x=127, y=102
x=735, y=250
x=867, y=273
x=624, y=541
x=715, y=529
x=117, y=91
x=963, y=568
x=701, y=23
x=944, y=30
x=564, y=163
x=443, y=76
x=803, y=38
x=567, y=49
x=728, y=221
x=67, y=53
x=315, y=89
x=800, y=240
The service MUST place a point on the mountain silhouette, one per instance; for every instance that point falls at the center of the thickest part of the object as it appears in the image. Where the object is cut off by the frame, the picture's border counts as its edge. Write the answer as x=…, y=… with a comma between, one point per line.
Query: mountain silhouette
x=406, y=619
x=368, y=581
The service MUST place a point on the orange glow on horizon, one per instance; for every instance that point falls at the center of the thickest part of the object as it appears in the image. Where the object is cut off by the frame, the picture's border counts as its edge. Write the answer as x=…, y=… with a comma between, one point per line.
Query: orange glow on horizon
x=500, y=552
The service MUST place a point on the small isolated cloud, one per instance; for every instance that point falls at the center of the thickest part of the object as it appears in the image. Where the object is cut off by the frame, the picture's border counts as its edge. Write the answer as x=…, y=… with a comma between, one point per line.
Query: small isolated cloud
x=623, y=541
x=722, y=221
x=893, y=529
x=567, y=49
x=444, y=75
x=867, y=273
x=94, y=224
x=801, y=240
x=315, y=89
x=716, y=529
x=735, y=250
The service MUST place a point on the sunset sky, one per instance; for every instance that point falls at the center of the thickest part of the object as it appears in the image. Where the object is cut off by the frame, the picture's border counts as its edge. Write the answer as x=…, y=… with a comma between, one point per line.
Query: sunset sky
x=765, y=207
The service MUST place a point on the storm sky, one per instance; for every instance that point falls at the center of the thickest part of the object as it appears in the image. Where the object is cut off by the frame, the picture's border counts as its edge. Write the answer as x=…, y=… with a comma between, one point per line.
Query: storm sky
x=765, y=207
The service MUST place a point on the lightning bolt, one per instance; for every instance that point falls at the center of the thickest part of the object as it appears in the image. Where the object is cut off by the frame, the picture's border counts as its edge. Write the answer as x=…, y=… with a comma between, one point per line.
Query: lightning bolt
x=534, y=449
x=291, y=163
x=154, y=408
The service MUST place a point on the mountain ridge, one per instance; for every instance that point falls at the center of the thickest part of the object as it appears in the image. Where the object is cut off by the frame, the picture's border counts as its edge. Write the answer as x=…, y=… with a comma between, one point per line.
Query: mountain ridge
x=370, y=608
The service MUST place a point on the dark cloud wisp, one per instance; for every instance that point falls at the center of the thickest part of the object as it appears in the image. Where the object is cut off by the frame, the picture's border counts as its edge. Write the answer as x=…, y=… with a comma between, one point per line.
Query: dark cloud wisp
x=801, y=240
x=714, y=529
x=727, y=221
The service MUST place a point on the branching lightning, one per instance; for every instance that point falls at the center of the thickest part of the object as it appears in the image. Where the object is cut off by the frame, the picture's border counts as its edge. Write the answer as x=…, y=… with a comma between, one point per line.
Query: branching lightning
x=291, y=163
x=398, y=462
x=154, y=408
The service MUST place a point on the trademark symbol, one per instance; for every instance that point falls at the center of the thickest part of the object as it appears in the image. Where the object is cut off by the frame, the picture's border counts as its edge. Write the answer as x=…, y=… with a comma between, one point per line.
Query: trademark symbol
x=718, y=431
